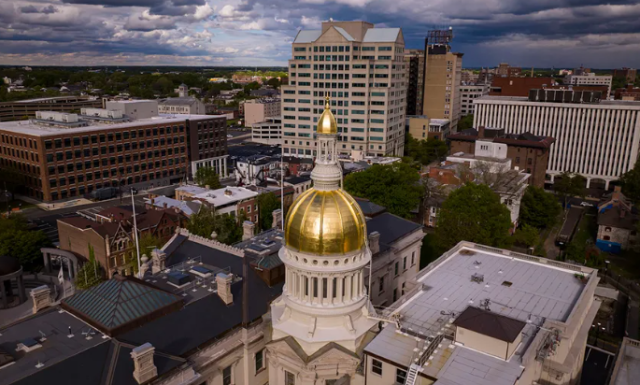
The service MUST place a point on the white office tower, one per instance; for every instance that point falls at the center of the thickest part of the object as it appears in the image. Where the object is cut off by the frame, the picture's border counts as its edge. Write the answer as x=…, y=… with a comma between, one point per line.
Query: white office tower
x=320, y=321
x=361, y=68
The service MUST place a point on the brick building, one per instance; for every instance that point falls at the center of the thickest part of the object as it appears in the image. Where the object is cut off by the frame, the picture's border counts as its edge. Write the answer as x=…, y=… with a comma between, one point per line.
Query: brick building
x=110, y=235
x=527, y=152
x=63, y=155
x=629, y=74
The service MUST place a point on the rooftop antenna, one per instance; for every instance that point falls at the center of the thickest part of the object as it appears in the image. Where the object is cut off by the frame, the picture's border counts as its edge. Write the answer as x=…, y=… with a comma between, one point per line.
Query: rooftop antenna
x=43, y=337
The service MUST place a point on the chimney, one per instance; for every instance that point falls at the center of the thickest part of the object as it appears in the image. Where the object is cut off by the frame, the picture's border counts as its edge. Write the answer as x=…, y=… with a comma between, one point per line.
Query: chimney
x=277, y=219
x=165, y=205
x=41, y=298
x=374, y=242
x=153, y=200
x=480, y=132
x=223, y=281
x=143, y=367
x=617, y=191
x=247, y=230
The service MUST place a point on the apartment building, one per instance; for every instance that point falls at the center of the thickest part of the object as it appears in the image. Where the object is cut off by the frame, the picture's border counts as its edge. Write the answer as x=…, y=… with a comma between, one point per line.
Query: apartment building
x=268, y=131
x=487, y=316
x=227, y=200
x=258, y=110
x=361, y=69
x=67, y=155
x=595, y=138
x=469, y=93
x=443, y=73
x=629, y=74
x=527, y=152
x=590, y=79
x=414, y=74
x=505, y=70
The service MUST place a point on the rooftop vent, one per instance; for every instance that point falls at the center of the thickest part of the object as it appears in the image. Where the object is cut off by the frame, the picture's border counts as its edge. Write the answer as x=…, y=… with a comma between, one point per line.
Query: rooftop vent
x=467, y=252
x=28, y=345
x=477, y=278
x=507, y=283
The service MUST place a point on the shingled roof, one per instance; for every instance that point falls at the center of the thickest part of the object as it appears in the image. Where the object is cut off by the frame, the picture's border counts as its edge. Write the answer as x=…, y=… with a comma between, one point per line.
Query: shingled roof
x=120, y=304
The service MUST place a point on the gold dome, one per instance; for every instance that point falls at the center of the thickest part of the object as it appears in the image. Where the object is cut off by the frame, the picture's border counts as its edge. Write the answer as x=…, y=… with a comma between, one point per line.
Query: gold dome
x=325, y=223
x=327, y=123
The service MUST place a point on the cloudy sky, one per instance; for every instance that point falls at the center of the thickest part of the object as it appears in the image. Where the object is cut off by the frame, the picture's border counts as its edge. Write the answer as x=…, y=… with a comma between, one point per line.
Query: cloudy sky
x=542, y=33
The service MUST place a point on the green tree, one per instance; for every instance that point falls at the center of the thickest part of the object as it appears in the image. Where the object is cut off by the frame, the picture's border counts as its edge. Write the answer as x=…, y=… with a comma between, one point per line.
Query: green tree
x=473, y=213
x=274, y=82
x=425, y=151
x=395, y=186
x=630, y=182
x=228, y=228
x=539, y=208
x=147, y=243
x=90, y=274
x=267, y=202
x=527, y=235
x=19, y=242
x=465, y=122
x=207, y=176
x=568, y=185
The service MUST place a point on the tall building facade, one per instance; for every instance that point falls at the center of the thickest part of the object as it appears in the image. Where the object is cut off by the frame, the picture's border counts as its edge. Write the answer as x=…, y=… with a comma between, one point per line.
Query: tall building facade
x=597, y=139
x=361, y=68
x=414, y=74
x=469, y=93
x=321, y=320
x=443, y=73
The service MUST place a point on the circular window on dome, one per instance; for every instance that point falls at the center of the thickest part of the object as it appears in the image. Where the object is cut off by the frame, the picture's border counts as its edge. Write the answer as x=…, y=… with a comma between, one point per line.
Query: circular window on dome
x=354, y=259
x=315, y=262
x=336, y=262
x=325, y=263
x=346, y=260
x=297, y=259
x=304, y=260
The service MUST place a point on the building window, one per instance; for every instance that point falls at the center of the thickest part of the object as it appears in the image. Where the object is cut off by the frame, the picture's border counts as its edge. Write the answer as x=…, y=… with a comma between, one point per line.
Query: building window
x=289, y=378
x=259, y=360
x=413, y=258
x=376, y=367
x=404, y=264
x=381, y=285
x=606, y=238
x=396, y=269
x=226, y=376
x=395, y=294
x=607, y=229
x=401, y=376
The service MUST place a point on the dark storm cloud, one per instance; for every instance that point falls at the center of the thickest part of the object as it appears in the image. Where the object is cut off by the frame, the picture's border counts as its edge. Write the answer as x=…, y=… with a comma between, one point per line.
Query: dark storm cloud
x=156, y=7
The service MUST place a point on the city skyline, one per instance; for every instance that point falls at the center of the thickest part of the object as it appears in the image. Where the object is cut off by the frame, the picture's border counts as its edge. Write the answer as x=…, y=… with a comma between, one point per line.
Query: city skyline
x=259, y=33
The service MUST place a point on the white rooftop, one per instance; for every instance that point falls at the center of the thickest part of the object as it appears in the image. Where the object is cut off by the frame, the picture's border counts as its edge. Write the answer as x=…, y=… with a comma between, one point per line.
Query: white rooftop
x=37, y=129
x=192, y=189
x=373, y=35
x=226, y=195
x=188, y=208
x=627, y=367
x=538, y=291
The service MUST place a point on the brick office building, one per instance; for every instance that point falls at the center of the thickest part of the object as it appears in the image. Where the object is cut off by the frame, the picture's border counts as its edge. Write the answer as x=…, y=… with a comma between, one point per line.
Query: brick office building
x=527, y=152
x=67, y=155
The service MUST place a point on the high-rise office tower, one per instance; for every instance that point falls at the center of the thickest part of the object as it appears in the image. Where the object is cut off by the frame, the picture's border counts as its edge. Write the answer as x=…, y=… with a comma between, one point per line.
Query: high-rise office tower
x=414, y=74
x=361, y=68
x=441, y=98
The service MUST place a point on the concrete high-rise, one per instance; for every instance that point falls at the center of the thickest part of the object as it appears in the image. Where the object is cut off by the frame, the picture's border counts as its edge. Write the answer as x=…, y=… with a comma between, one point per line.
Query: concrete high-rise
x=414, y=74
x=443, y=71
x=598, y=139
x=361, y=68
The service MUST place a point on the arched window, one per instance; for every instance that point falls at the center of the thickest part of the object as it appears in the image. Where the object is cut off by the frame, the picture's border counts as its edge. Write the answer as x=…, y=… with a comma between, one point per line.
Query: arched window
x=606, y=237
x=607, y=229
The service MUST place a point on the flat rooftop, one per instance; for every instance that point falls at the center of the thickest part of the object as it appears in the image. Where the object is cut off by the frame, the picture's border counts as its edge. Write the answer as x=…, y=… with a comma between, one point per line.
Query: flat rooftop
x=627, y=369
x=517, y=287
x=30, y=128
x=225, y=195
x=624, y=103
x=58, y=346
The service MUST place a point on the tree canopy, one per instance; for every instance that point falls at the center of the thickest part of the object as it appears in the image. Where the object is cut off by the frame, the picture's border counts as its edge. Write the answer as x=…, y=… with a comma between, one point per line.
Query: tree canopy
x=228, y=228
x=631, y=183
x=19, y=242
x=473, y=213
x=527, y=235
x=539, y=208
x=465, y=122
x=207, y=176
x=395, y=186
x=425, y=151
x=90, y=274
x=568, y=185
x=267, y=202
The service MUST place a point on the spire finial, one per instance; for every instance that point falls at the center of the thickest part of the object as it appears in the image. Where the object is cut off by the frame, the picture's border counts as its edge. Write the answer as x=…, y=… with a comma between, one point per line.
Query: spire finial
x=327, y=104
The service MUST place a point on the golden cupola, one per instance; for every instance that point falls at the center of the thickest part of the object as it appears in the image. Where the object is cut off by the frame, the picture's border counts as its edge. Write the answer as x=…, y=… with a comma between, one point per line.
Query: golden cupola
x=325, y=220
